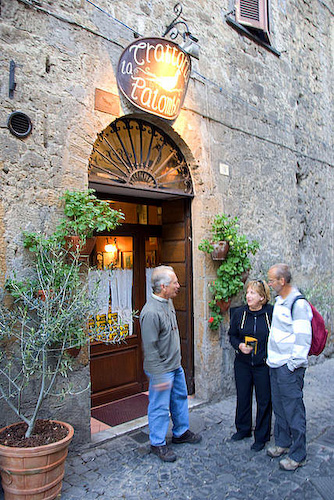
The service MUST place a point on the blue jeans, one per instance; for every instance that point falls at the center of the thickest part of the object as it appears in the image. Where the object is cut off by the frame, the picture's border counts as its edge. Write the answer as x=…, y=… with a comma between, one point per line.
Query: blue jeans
x=289, y=409
x=174, y=399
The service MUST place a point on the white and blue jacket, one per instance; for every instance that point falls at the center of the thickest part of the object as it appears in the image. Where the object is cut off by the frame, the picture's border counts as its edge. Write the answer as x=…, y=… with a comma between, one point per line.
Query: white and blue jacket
x=290, y=339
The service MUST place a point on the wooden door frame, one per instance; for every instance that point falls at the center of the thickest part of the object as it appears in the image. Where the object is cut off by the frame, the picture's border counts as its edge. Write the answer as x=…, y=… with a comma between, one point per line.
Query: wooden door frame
x=189, y=271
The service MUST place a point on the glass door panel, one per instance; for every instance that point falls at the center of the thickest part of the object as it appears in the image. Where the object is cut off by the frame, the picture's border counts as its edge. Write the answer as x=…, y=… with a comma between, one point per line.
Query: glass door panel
x=152, y=259
x=113, y=278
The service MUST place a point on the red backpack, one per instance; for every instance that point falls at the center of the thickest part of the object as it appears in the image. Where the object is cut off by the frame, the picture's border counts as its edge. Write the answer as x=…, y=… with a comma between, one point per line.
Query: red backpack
x=319, y=332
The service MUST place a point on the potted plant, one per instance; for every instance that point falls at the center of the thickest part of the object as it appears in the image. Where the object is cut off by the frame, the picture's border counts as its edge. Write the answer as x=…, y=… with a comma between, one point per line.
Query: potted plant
x=231, y=272
x=220, y=249
x=42, y=315
x=86, y=214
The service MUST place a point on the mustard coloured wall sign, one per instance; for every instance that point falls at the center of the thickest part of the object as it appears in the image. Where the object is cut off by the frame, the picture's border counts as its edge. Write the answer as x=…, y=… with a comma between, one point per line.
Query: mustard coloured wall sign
x=153, y=74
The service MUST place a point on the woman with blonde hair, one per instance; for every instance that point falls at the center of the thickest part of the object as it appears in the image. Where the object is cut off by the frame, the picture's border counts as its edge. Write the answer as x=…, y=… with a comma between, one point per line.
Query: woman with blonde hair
x=249, y=330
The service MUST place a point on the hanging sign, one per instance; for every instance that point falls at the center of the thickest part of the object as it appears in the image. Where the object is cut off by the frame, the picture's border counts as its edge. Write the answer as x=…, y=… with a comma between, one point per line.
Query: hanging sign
x=153, y=74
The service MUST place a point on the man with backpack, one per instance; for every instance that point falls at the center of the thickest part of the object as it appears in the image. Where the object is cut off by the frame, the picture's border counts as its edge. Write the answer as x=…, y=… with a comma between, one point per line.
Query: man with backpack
x=288, y=347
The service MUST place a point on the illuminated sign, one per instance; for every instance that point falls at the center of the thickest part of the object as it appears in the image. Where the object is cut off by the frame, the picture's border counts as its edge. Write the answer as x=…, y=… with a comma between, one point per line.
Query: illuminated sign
x=153, y=74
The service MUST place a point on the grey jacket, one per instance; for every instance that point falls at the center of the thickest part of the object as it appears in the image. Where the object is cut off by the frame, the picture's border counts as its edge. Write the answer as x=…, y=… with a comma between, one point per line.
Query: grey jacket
x=160, y=336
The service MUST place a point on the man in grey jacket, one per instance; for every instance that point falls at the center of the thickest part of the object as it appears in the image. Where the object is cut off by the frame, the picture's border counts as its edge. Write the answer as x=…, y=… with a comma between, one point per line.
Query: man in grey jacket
x=288, y=347
x=162, y=365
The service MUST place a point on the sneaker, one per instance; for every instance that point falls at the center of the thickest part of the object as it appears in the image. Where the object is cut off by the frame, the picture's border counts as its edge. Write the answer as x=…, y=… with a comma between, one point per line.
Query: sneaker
x=238, y=436
x=164, y=453
x=276, y=451
x=257, y=446
x=289, y=464
x=187, y=437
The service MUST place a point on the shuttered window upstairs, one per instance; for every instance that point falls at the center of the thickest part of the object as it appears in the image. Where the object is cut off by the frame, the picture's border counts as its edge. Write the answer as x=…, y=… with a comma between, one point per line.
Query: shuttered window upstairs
x=252, y=13
x=251, y=19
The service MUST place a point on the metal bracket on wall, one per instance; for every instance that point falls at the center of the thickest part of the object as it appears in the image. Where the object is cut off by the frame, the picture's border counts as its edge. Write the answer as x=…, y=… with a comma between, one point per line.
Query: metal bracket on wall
x=12, y=83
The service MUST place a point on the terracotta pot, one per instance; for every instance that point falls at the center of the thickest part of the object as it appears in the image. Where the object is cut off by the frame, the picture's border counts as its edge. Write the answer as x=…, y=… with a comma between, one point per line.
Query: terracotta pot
x=244, y=276
x=34, y=473
x=73, y=351
x=41, y=295
x=74, y=242
x=220, y=250
x=223, y=305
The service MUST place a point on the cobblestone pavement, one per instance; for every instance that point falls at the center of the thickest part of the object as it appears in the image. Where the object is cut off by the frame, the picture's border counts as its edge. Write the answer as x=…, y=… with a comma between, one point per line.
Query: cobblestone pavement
x=217, y=468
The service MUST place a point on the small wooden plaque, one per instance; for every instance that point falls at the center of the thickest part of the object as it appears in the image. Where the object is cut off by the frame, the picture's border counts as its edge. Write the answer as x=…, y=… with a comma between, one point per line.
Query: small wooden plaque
x=107, y=102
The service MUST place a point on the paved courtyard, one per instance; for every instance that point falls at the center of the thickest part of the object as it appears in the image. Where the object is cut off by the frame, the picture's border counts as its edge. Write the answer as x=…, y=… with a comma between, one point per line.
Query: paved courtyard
x=215, y=469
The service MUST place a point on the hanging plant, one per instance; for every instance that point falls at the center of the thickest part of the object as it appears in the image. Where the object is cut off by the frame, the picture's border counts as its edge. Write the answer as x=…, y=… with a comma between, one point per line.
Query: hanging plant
x=220, y=250
x=231, y=272
x=85, y=213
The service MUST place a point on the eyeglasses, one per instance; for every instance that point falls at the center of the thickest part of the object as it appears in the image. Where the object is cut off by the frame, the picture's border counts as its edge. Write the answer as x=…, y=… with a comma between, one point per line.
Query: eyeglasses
x=272, y=281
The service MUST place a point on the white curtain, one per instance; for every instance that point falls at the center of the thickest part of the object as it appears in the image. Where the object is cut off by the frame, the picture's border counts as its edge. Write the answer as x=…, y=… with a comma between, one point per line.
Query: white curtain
x=118, y=284
x=121, y=295
x=99, y=281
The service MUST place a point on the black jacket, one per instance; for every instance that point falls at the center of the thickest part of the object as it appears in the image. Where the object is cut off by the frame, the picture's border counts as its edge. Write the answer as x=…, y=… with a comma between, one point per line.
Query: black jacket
x=254, y=324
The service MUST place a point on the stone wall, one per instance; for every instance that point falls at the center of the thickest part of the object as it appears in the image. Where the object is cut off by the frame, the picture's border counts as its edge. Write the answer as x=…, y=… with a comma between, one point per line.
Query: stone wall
x=268, y=118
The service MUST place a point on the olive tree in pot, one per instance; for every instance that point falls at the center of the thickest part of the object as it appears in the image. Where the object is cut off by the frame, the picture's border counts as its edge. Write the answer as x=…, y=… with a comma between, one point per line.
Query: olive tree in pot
x=42, y=315
x=231, y=272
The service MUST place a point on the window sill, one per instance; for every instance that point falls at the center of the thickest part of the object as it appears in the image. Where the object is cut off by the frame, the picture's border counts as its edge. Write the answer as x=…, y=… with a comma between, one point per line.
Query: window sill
x=244, y=31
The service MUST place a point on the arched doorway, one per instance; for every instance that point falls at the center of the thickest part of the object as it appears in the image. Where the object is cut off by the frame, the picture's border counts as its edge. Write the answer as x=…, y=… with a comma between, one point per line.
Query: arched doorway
x=140, y=170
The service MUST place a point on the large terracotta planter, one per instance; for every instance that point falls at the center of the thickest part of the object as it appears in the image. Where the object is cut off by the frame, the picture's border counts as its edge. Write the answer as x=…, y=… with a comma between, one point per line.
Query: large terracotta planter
x=34, y=473
x=220, y=250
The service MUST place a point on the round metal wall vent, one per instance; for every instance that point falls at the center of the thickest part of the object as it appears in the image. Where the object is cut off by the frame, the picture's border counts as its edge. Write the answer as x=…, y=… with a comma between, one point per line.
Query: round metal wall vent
x=19, y=124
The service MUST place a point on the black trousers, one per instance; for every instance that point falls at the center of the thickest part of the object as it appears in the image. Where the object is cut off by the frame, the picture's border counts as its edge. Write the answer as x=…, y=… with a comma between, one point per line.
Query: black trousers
x=247, y=377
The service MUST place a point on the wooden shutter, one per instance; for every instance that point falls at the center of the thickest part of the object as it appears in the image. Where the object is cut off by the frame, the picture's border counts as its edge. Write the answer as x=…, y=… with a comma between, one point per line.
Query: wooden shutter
x=252, y=13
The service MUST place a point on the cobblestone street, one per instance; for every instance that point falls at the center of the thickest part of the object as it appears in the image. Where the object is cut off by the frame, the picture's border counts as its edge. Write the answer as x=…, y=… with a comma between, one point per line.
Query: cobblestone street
x=215, y=469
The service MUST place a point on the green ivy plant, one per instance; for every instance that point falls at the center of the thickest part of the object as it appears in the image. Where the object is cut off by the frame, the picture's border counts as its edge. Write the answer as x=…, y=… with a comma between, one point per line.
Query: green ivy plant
x=85, y=213
x=229, y=273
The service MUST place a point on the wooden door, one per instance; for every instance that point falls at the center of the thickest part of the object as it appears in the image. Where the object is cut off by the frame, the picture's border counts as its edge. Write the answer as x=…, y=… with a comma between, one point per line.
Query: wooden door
x=176, y=252
x=117, y=370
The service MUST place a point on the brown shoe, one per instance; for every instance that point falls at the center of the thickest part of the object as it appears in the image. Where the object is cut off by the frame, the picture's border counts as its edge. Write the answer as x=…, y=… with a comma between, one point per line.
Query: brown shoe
x=164, y=453
x=276, y=451
x=289, y=464
x=187, y=437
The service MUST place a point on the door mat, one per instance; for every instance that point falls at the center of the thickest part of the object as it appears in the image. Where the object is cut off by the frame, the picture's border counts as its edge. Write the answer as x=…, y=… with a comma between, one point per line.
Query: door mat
x=121, y=411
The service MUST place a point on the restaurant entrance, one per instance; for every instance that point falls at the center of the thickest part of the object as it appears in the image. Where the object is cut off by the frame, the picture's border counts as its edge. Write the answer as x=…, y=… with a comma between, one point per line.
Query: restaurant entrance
x=162, y=237
x=156, y=200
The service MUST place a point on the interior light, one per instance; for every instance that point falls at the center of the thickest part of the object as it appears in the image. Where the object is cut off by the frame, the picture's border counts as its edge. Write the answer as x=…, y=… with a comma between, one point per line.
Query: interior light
x=111, y=247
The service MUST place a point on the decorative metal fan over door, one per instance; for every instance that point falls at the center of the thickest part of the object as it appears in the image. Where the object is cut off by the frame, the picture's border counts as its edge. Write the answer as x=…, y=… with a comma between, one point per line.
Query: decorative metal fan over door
x=135, y=153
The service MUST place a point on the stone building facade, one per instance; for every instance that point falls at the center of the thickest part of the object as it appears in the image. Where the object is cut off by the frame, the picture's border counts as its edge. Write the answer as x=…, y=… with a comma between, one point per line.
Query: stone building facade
x=255, y=129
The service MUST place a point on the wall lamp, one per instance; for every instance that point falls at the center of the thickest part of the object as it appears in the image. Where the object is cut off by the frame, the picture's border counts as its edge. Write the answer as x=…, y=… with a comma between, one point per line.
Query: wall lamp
x=189, y=43
x=111, y=247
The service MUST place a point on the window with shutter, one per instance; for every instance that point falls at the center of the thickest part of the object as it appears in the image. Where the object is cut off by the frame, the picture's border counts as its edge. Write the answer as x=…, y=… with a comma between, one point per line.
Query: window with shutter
x=252, y=13
x=251, y=18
